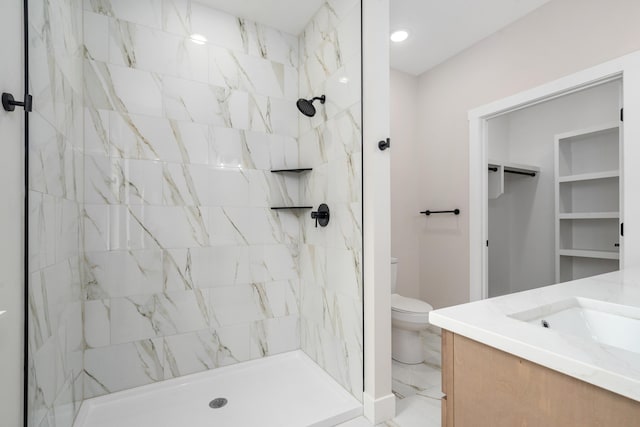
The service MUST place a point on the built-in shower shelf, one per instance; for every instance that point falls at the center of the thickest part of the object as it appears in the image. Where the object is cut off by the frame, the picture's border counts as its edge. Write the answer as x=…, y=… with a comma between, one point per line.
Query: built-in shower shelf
x=283, y=208
x=291, y=208
x=291, y=170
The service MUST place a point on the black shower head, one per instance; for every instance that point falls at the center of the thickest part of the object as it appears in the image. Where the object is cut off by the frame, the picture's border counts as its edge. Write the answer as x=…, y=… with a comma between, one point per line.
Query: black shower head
x=306, y=106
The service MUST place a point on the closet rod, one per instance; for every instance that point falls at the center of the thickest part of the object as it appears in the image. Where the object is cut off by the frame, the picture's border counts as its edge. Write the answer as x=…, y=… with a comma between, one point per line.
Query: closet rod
x=495, y=169
x=520, y=173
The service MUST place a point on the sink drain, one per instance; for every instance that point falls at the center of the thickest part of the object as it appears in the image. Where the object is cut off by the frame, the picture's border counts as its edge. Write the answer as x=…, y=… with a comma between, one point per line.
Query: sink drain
x=217, y=403
x=544, y=323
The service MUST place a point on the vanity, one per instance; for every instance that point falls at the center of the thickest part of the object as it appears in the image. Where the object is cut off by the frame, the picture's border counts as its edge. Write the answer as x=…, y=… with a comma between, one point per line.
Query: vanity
x=562, y=355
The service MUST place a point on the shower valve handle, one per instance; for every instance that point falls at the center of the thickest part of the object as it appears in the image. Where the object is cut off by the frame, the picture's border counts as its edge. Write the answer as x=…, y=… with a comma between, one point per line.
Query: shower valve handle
x=322, y=215
x=319, y=216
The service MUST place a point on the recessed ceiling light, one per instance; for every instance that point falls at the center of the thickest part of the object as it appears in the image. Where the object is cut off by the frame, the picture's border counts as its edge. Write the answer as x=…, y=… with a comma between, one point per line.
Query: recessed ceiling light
x=399, y=36
x=198, y=38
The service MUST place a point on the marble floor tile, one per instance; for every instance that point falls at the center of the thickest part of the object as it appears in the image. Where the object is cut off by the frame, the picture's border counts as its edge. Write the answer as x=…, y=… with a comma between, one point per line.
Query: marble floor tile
x=425, y=378
x=414, y=411
x=418, y=390
x=356, y=422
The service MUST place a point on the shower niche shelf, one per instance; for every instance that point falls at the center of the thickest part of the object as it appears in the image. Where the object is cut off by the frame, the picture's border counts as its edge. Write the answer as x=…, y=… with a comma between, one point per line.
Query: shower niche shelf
x=291, y=208
x=291, y=170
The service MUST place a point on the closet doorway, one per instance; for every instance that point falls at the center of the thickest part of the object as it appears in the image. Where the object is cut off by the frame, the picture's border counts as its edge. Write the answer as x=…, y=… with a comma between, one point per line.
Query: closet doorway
x=553, y=201
x=589, y=221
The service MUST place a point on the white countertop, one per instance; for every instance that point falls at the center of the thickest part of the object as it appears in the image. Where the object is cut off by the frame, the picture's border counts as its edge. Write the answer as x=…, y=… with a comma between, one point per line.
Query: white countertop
x=608, y=367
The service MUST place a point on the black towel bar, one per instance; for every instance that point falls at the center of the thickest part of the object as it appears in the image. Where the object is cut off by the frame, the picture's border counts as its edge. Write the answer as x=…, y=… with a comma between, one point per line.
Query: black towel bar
x=427, y=212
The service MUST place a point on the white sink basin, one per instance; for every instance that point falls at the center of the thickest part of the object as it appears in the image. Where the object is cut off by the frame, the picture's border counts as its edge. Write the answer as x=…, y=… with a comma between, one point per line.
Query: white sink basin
x=606, y=323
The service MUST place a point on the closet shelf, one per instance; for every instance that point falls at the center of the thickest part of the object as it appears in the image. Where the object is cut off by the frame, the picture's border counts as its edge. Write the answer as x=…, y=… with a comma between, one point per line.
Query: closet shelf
x=587, y=171
x=515, y=167
x=497, y=170
x=584, y=253
x=300, y=170
x=589, y=215
x=590, y=176
x=590, y=131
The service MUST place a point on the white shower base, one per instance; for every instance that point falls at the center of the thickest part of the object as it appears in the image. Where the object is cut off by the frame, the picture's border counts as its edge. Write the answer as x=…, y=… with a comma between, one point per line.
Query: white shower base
x=284, y=390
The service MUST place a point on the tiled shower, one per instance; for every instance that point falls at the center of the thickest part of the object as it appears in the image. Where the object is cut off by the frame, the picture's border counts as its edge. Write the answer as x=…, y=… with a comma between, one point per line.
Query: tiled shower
x=154, y=249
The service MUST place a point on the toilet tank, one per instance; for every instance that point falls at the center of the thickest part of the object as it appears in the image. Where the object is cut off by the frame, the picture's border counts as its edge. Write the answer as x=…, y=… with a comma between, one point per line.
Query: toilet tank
x=394, y=274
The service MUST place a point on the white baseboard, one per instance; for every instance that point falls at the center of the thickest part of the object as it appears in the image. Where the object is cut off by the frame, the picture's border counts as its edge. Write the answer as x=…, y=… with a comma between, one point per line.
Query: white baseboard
x=381, y=409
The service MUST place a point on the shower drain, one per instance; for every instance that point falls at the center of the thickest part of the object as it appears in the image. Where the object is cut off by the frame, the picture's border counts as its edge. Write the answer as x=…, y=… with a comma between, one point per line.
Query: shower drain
x=217, y=403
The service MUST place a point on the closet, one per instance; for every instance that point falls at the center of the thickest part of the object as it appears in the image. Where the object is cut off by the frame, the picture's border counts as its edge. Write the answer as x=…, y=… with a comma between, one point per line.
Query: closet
x=553, y=176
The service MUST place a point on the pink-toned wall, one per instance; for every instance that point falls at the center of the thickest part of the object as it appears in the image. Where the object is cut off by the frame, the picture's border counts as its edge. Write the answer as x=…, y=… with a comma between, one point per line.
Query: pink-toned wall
x=405, y=194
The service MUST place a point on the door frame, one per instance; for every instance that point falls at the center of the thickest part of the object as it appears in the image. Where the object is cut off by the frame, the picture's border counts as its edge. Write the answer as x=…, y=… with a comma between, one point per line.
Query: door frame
x=626, y=68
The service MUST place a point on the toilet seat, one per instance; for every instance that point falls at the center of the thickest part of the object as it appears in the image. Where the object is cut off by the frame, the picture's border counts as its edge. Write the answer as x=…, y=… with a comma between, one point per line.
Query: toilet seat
x=409, y=305
x=413, y=319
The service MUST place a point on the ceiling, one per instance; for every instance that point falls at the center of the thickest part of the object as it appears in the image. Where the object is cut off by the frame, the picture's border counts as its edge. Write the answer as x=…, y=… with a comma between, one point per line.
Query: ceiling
x=439, y=29
x=290, y=16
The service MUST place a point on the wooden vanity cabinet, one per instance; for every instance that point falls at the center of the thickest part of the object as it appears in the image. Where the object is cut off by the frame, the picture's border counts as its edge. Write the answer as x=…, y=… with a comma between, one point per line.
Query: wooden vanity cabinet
x=484, y=386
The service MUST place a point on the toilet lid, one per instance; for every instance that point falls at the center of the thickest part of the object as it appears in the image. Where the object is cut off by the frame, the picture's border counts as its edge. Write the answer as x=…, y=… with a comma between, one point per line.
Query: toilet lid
x=410, y=305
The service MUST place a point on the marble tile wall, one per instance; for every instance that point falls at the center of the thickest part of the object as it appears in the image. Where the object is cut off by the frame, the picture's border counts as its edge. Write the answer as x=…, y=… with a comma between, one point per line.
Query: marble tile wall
x=154, y=251
x=186, y=267
x=331, y=258
x=55, y=335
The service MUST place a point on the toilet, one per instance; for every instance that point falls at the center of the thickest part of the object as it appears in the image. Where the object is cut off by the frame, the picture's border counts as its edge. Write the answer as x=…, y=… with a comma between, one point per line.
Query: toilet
x=409, y=316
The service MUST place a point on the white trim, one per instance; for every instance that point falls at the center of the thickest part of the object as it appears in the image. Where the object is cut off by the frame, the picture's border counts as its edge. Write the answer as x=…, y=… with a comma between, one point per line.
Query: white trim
x=379, y=410
x=380, y=404
x=626, y=67
x=594, y=76
x=478, y=204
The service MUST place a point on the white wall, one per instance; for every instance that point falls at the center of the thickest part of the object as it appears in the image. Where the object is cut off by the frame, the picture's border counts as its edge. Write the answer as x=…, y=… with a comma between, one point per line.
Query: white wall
x=522, y=220
x=405, y=187
x=560, y=38
x=11, y=219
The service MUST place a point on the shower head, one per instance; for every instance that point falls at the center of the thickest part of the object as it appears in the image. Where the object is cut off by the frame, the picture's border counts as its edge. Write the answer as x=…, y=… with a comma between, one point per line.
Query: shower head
x=306, y=105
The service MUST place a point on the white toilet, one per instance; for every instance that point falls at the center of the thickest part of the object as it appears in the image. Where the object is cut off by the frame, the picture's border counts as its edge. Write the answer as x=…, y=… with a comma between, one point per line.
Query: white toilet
x=409, y=316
